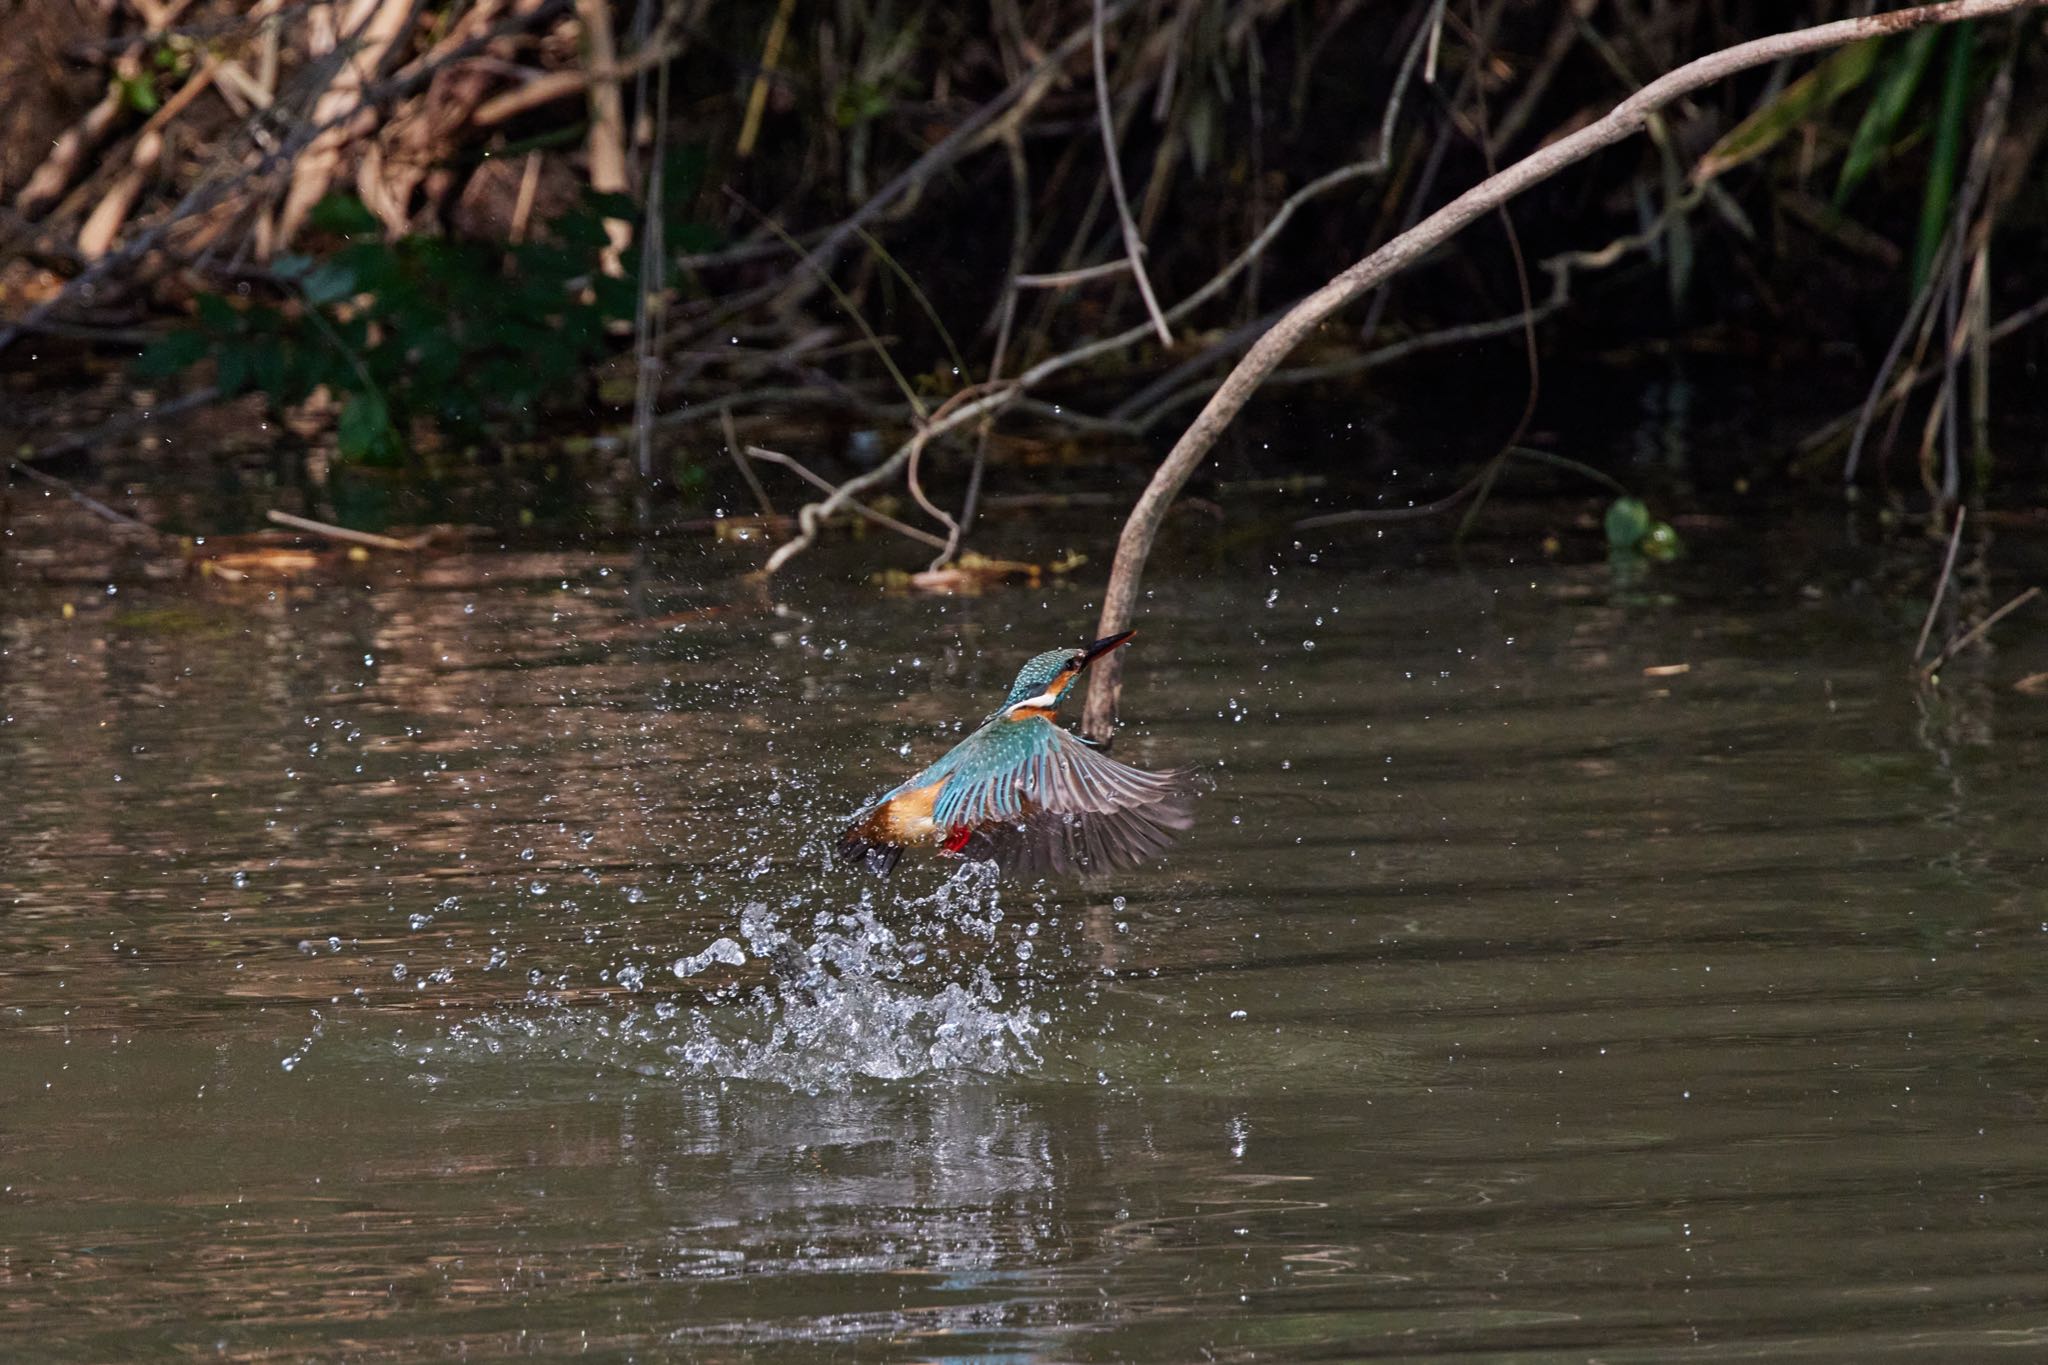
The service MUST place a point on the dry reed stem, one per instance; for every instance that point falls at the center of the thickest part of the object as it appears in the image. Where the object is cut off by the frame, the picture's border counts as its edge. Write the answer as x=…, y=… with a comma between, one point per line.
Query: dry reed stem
x=1948, y=565
x=757, y=98
x=1134, y=248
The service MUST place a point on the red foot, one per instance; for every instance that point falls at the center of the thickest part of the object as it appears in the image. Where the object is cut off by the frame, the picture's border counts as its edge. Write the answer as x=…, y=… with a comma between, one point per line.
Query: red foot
x=957, y=837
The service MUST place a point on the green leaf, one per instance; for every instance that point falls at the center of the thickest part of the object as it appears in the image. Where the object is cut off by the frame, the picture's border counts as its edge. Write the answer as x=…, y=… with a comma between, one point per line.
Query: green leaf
x=217, y=315
x=1948, y=144
x=364, y=430
x=178, y=351
x=1794, y=105
x=581, y=229
x=1628, y=521
x=236, y=365
x=682, y=175
x=1874, y=134
x=616, y=298
x=687, y=238
x=344, y=214
x=138, y=93
x=290, y=266
x=268, y=368
x=327, y=282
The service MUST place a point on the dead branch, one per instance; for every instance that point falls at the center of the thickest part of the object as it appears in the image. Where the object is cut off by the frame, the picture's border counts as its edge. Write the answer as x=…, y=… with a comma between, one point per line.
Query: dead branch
x=363, y=40
x=1623, y=121
x=213, y=190
x=96, y=236
x=843, y=500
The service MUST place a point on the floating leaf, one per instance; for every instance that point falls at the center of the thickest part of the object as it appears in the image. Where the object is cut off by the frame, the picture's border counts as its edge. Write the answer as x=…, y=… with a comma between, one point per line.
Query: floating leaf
x=1628, y=521
x=1661, y=543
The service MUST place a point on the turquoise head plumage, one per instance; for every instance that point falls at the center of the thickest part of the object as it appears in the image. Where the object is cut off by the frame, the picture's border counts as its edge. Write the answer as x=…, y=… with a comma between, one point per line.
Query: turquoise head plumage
x=1045, y=677
x=1039, y=676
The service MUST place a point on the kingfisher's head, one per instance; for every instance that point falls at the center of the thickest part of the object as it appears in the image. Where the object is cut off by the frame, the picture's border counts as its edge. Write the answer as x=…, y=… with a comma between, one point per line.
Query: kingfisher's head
x=1046, y=677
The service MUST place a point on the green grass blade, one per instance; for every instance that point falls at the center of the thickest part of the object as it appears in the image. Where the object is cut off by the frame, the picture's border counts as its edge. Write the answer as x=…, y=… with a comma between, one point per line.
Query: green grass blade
x=1795, y=104
x=1903, y=70
x=1948, y=145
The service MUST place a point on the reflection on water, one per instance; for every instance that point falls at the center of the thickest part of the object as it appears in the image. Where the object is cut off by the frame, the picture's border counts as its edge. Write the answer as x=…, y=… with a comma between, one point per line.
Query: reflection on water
x=447, y=960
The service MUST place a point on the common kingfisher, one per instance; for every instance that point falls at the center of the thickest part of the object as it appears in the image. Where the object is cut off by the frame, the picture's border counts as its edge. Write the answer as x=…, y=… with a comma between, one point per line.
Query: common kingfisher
x=1026, y=794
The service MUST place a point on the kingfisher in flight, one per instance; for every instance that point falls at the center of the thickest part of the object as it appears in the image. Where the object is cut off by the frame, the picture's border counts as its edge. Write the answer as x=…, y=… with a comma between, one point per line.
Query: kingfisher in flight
x=1026, y=794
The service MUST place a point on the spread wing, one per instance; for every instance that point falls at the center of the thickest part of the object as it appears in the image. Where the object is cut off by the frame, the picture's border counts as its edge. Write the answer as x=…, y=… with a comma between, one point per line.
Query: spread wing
x=1054, y=805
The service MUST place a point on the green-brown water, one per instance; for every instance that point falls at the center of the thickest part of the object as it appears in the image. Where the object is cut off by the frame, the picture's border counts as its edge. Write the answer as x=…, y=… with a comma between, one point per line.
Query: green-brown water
x=443, y=963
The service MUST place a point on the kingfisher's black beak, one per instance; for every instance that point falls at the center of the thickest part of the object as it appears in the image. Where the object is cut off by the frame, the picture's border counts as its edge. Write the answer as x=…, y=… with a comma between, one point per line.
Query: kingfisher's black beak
x=1104, y=646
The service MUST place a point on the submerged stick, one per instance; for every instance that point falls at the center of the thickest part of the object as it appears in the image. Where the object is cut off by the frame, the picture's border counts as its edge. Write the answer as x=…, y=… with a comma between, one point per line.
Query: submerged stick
x=1976, y=632
x=1623, y=121
x=347, y=536
x=1948, y=564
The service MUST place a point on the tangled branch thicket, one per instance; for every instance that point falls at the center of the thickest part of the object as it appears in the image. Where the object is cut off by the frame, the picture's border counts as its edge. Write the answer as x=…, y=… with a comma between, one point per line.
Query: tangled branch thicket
x=932, y=231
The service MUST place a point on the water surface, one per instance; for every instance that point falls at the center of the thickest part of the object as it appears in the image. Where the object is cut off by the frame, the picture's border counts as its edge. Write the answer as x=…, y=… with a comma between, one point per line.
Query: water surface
x=444, y=961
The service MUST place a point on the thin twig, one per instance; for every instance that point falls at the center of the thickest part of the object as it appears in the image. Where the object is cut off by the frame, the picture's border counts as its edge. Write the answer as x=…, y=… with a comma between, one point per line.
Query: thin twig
x=745, y=466
x=86, y=500
x=1906, y=382
x=844, y=500
x=1134, y=248
x=1060, y=279
x=120, y=426
x=932, y=509
x=1948, y=564
x=990, y=399
x=650, y=301
x=846, y=303
x=924, y=304
x=1977, y=632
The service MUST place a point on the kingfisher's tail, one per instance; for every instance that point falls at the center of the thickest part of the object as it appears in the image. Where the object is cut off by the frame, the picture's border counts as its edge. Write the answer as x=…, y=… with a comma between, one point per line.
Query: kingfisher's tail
x=862, y=846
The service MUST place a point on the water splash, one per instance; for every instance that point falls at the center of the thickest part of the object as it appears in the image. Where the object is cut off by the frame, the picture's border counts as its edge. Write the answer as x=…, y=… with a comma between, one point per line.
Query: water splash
x=888, y=988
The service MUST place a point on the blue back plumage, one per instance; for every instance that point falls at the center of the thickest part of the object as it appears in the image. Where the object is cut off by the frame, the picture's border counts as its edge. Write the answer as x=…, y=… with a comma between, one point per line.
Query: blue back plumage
x=982, y=767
